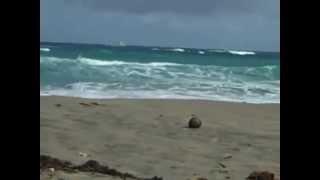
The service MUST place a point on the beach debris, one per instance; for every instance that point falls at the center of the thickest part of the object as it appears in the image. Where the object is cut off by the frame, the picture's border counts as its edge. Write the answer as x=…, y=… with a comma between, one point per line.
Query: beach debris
x=228, y=177
x=194, y=122
x=92, y=166
x=222, y=165
x=159, y=117
x=95, y=103
x=58, y=105
x=155, y=178
x=223, y=171
x=197, y=177
x=227, y=156
x=85, y=155
x=173, y=167
x=51, y=170
x=202, y=178
x=49, y=173
x=84, y=104
x=236, y=149
x=47, y=162
x=261, y=175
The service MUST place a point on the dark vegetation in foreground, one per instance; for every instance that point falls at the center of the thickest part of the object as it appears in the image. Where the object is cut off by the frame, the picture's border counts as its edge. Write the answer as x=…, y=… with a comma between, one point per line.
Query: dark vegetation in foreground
x=92, y=166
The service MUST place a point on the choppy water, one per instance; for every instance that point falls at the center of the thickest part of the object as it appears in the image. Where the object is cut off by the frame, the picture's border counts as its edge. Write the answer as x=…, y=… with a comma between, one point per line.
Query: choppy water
x=98, y=71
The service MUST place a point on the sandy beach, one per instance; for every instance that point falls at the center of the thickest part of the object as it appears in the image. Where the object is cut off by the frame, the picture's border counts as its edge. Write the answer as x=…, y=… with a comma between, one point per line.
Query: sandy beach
x=149, y=137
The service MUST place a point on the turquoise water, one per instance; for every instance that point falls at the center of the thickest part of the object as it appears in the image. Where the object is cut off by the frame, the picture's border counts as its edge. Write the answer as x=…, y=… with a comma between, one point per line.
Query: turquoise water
x=99, y=71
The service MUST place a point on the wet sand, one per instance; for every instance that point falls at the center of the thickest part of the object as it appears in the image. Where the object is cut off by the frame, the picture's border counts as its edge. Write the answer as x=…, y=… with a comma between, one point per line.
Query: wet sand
x=149, y=137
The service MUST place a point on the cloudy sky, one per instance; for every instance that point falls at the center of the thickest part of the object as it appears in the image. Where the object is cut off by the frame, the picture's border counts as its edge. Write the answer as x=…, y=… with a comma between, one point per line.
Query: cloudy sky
x=227, y=24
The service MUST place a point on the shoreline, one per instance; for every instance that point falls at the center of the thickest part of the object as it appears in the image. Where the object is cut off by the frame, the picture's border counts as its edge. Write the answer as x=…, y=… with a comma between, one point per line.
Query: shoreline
x=147, y=137
x=160, y=99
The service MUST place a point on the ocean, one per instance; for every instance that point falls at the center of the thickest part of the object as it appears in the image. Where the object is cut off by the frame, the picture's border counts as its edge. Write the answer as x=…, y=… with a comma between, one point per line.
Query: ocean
x=104, y=71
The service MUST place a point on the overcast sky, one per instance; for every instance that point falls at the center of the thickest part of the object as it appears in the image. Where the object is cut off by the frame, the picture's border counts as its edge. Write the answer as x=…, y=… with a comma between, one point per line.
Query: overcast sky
x=226, y=24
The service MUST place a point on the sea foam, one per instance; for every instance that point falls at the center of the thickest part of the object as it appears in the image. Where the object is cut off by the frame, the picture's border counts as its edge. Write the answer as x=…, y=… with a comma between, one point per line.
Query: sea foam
x=178, y=50
x=242, y=52
x=45, y=49
x=158, y=80
x=141, y=73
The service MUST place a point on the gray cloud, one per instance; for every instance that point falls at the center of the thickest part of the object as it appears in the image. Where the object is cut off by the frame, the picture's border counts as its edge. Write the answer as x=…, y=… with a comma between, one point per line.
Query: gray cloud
x=194, y=7
x=238, y=24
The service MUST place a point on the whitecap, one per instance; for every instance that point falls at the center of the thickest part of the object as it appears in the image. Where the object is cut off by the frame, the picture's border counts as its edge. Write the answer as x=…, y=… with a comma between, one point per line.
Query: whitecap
x=216, y=91
x=53, y=59
x=242, y=52
x=45, y=49
x=178, y=50
x=96, y=62
x=201, y=52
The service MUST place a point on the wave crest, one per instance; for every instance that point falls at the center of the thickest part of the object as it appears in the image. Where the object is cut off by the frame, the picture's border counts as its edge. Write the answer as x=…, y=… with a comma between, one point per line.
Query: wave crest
x=96, y=62
x=97, y=78
x=201, y=52
x=177, y=50
x=242, y=52
x=251, y=94
x=45, y=49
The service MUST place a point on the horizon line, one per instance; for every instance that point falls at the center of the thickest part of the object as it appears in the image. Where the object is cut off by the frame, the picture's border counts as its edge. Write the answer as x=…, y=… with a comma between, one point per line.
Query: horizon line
x=100, y=44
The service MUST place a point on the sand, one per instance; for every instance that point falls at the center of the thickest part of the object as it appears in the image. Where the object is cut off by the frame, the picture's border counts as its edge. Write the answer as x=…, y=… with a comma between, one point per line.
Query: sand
x=149, y=137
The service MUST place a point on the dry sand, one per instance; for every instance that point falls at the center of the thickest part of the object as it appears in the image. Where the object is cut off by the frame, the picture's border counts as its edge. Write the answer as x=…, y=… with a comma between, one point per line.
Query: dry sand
x=148, y=137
